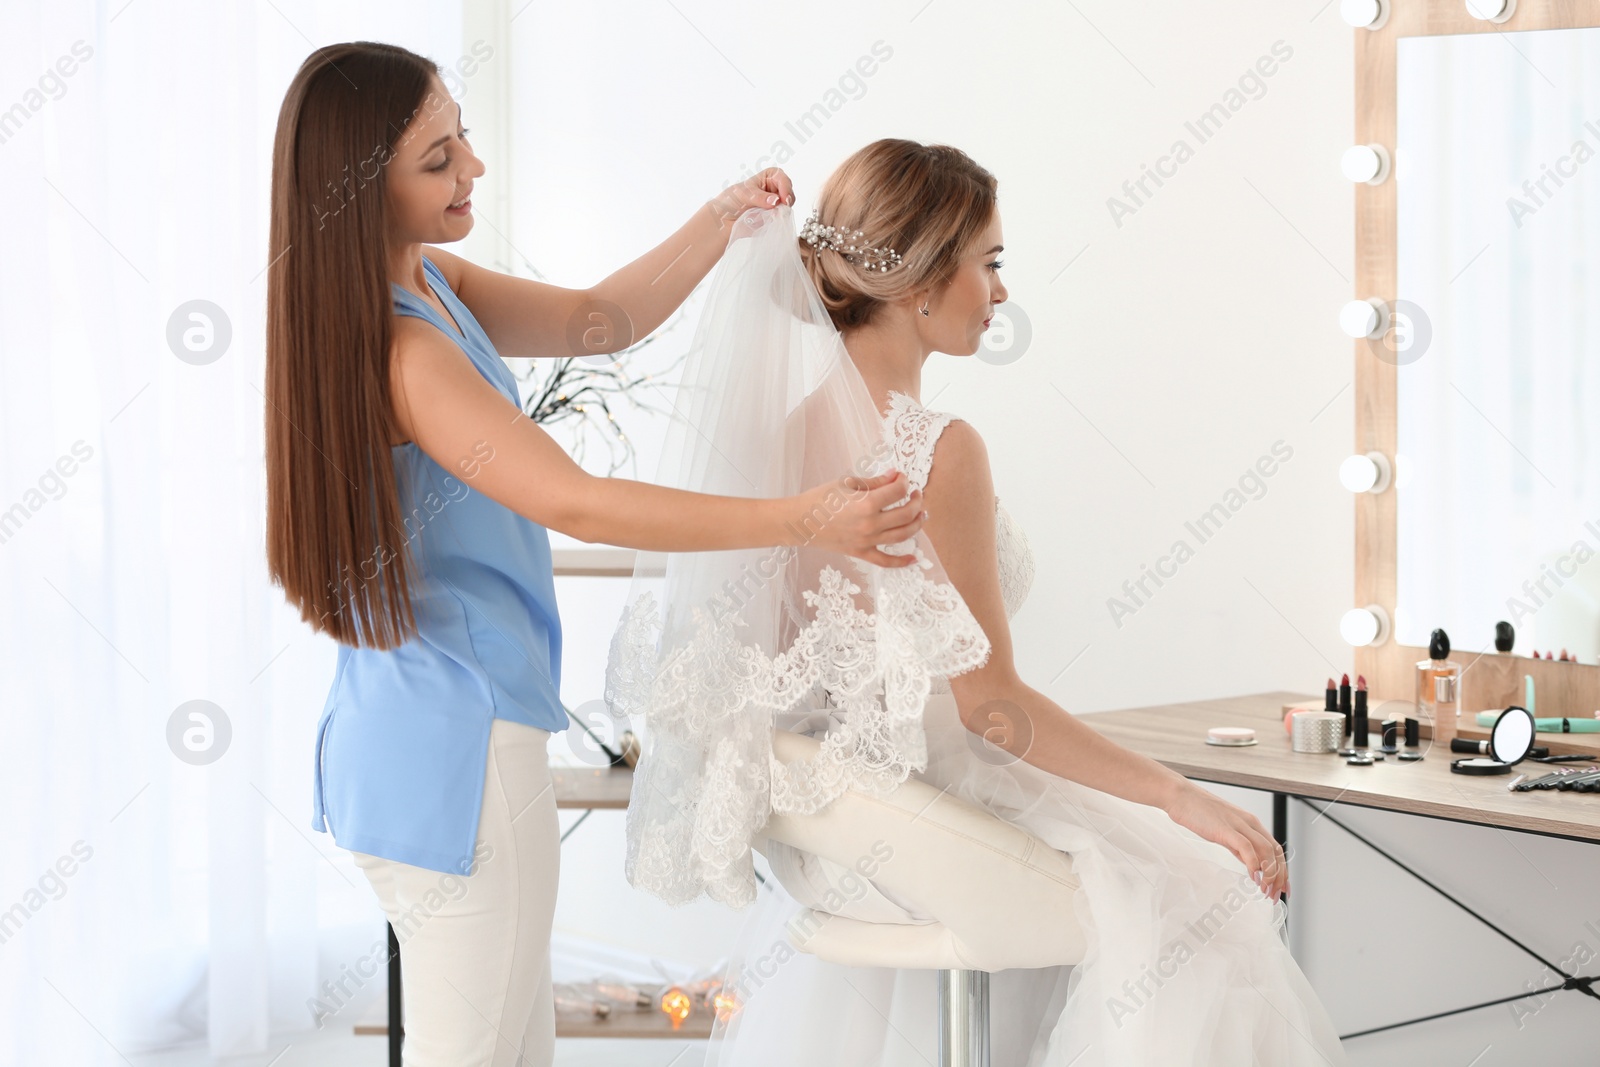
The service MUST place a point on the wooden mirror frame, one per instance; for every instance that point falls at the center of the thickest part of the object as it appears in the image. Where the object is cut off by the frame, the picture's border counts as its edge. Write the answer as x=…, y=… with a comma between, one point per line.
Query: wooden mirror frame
x=1492, y=680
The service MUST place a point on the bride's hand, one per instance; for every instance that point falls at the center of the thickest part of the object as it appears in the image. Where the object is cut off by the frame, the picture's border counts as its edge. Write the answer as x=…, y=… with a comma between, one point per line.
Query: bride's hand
x=1236, y=830
x=768, y=189
x=847, y=515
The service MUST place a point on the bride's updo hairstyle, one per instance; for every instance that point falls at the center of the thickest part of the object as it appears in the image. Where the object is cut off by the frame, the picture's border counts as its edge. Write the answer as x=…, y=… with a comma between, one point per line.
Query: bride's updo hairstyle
x=929, y=202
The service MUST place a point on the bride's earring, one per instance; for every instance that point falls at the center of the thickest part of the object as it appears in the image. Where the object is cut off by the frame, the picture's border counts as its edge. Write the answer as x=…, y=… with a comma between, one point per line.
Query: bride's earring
x=924, y=307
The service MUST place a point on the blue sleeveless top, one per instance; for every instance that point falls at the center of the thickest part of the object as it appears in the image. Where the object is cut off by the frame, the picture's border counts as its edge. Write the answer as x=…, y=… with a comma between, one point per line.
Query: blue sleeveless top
x=404, y=735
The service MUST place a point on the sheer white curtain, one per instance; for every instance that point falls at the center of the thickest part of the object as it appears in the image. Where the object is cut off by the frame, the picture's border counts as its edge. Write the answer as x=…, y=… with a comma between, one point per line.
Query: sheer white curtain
x=147, y=899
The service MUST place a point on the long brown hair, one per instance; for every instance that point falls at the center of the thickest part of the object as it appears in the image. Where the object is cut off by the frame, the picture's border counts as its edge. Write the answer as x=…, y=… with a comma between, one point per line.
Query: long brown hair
x=929, y=202
x=331, y=493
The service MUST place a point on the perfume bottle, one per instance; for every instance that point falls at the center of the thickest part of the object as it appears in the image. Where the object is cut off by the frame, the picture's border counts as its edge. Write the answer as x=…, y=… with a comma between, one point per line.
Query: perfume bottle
x=1439, y=689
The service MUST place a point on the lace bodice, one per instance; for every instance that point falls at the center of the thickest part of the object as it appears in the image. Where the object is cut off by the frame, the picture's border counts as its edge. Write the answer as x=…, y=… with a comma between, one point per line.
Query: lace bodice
x=913, y=430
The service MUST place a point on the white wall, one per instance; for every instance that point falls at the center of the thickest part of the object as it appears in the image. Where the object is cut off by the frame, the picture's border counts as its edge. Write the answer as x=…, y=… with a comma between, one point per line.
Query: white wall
x=1188, y=339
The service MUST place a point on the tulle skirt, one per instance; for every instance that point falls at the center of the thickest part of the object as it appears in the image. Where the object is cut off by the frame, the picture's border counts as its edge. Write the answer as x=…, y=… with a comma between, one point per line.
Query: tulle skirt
x=1187, y=962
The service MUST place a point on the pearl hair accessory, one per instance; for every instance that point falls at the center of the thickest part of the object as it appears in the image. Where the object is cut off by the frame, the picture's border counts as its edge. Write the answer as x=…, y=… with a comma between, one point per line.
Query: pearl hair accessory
x=815, y=234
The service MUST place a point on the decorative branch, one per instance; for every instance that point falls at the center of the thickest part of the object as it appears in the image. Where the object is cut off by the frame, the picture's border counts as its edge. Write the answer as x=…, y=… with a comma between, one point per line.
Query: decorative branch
x=570, y=388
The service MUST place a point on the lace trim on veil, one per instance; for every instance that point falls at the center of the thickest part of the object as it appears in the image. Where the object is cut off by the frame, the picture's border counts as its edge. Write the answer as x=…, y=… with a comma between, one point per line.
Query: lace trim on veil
x=697, y=806
x=698, y=803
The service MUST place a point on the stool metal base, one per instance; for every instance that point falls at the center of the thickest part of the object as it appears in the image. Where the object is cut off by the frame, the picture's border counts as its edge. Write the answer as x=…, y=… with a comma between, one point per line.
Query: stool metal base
x=963, y=1018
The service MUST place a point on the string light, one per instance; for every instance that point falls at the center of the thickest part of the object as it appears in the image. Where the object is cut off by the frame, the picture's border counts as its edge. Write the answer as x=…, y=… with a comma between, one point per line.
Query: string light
x=676, y=1003
x=726, y=1004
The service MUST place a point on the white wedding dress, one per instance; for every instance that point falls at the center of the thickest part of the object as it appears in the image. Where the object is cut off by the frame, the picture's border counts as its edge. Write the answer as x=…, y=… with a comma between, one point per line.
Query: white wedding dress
x=1186, y=960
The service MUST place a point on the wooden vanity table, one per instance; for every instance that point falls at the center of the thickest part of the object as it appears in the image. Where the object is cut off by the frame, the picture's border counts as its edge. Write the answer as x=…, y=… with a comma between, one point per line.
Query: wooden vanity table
x=1174, y=735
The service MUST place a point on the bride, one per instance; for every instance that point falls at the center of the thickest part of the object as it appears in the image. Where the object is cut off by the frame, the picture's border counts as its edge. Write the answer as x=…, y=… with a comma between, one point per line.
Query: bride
x=807, y=364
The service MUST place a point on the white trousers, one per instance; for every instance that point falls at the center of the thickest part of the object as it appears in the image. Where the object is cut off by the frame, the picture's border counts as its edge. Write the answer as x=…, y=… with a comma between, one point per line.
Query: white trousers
x=475, y=949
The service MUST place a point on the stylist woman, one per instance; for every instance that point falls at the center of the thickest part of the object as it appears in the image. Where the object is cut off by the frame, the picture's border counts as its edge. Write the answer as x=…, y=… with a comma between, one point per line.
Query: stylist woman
x=408, y=500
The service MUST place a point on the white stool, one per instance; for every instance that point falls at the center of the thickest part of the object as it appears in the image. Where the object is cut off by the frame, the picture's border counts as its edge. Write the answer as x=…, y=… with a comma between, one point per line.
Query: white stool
x=962, y=892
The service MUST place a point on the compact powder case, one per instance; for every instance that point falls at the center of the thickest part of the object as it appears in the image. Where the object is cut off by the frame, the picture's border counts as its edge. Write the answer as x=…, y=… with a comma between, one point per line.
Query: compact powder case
x=1479, y=765
x=1231, y=736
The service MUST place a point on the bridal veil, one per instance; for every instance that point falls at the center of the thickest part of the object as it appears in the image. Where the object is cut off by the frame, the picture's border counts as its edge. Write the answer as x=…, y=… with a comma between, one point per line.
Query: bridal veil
x=715, y=648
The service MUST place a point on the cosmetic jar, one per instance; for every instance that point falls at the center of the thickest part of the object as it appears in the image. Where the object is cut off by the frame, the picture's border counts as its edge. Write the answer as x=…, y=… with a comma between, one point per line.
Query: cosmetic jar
x=1316, y=731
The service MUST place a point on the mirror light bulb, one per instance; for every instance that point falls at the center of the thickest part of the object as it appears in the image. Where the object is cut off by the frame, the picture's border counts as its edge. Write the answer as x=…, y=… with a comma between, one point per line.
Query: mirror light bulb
x=1364, y=318
x=1368, y=473
x=1366, y=163
x=1364, y=626
x=1491, y=10
x=1364, y=14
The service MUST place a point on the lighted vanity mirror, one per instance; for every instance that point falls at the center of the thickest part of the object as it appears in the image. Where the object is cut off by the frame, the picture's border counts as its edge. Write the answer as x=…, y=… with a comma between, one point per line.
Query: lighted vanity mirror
x=1497, y=342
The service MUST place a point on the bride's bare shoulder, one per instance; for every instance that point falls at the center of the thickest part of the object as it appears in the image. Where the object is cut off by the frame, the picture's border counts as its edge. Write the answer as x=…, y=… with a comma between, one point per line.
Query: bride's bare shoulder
x=960, y=468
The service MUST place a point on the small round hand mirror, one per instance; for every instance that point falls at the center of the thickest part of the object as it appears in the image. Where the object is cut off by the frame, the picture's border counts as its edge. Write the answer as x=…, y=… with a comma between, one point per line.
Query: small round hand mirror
x=1512, y=735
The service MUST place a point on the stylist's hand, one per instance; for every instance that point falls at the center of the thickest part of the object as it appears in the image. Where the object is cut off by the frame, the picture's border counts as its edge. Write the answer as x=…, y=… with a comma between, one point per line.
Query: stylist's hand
x=848, y=515
x=768, y=189
x=1235, y=830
